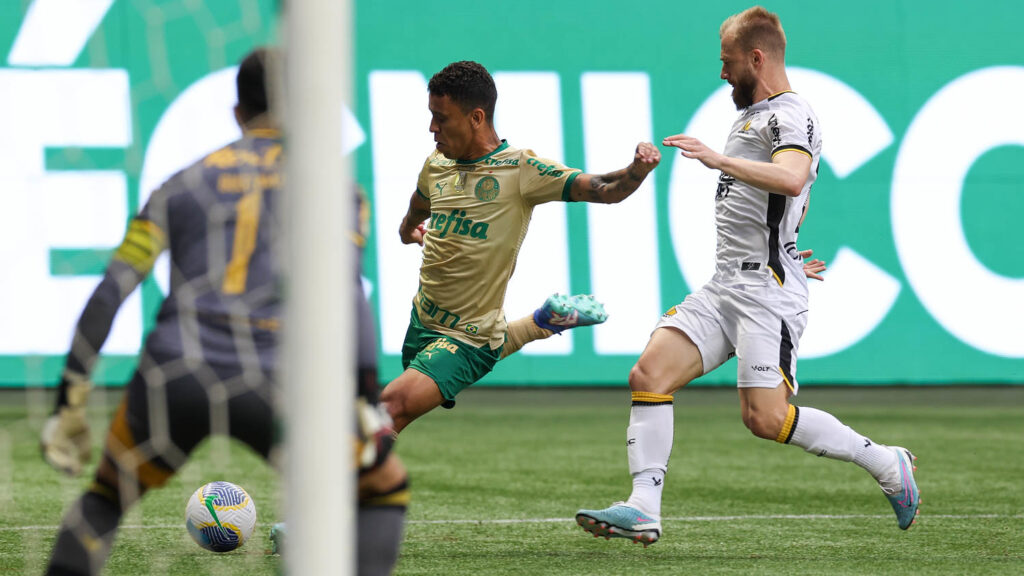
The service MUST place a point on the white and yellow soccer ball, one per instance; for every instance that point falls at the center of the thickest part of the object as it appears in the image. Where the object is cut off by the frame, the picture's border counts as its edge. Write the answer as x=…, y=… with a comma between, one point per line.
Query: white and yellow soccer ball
x=220, y=516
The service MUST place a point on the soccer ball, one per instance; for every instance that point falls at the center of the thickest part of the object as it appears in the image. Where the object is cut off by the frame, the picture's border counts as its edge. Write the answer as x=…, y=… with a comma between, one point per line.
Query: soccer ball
x=220, y=516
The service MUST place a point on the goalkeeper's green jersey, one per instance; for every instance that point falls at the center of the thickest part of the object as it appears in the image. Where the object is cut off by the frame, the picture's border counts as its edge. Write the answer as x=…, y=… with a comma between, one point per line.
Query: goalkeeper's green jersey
x=479, y=213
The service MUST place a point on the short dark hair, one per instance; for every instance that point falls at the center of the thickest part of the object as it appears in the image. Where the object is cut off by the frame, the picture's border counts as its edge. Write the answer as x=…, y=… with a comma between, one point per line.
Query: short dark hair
x=252, y=83
x=468, y=84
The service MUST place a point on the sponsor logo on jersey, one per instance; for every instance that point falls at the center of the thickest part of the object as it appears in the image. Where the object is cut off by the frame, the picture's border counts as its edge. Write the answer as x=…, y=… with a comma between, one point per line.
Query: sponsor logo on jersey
x=671, y=311
x=487, y=189
x=440, y=187
x=456, y=223
x=790, y=248
x=746, y=126
x=505, y=162
x=551, y=170
x=725, y=182
x=773, y=129
x=750, y=266
x=758, y=368
x=432, y=310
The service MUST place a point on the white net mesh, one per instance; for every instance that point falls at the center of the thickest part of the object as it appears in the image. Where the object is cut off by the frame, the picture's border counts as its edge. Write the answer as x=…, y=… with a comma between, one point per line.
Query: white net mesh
x=105, y=102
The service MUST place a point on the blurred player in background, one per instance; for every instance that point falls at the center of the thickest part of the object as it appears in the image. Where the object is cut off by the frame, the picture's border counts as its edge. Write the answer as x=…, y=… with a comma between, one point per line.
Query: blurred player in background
x=208, y=366
x=755, y=306
x=479, y=193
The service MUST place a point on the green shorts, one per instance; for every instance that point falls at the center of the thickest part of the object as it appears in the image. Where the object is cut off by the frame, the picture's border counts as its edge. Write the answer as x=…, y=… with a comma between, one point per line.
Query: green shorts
x=451, y=363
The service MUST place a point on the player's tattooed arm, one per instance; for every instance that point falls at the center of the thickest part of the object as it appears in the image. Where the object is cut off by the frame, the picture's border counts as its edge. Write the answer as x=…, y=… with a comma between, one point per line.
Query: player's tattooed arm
x=412, y=229
x=618, y=185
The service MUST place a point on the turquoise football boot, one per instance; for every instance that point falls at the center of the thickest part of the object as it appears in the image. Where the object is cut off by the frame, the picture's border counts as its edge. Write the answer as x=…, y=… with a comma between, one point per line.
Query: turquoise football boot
x=621, y=521
x=906, y=498
x=561, y=312
x=277, y=534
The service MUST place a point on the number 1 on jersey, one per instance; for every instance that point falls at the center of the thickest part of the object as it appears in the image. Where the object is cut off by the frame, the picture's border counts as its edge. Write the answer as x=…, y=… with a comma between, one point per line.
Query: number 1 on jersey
x=248, y=209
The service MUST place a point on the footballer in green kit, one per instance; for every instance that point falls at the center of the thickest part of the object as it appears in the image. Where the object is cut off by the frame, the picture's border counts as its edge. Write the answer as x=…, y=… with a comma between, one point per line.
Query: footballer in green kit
x=478, y=192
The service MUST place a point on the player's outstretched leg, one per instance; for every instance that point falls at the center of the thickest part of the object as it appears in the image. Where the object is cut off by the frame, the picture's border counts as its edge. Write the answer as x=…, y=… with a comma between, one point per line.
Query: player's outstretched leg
x=621, y=521
x=561, y=312
x=557, y=314
x=901, y=488
x=822, y=434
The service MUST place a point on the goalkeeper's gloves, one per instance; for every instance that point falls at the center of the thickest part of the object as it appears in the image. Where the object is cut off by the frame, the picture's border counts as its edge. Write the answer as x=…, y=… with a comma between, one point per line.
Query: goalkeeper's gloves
x=65, y=440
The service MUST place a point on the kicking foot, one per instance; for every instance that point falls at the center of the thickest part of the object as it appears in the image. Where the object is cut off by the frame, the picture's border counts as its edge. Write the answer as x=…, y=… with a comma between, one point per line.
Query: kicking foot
x=621, y=521
x=902, y=490
x=561, y=312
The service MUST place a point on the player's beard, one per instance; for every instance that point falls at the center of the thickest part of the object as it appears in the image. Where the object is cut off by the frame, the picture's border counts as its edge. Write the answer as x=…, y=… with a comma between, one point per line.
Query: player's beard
x=743, y=91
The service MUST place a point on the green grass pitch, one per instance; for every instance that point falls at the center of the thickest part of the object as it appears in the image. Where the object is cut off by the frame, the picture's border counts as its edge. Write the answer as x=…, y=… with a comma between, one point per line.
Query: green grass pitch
x=497, y=480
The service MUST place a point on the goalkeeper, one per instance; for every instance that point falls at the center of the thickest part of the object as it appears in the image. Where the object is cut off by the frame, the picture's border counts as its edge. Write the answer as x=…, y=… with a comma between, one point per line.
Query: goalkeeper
x=213, y=349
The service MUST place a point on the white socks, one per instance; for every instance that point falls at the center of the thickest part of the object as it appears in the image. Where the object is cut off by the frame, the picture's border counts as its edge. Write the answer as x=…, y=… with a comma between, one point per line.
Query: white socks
x=821, y=434
x=648, y=445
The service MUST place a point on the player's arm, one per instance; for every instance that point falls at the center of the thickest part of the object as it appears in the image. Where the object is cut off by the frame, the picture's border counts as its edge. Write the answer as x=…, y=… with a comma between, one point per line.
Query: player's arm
x=785, y=174
x=64, y=440
x=131, y=263
x=411, y=231
x=616, y=186
x=812, y=268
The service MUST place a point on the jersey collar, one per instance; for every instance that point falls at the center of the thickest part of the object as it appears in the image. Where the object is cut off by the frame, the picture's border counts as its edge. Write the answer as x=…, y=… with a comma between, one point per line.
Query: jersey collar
x=262, y=133
x=504, y=144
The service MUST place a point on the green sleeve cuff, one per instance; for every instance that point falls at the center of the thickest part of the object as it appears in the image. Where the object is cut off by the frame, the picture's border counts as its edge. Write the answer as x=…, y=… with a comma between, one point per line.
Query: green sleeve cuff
x=568, y=186
x=422, y=195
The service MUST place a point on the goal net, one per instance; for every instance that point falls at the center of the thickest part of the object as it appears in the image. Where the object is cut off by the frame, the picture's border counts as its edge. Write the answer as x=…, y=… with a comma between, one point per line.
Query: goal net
x=105, y=104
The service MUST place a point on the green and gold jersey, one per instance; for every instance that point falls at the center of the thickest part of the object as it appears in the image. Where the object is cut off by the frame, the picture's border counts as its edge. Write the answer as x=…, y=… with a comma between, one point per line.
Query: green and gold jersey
x=479, y=213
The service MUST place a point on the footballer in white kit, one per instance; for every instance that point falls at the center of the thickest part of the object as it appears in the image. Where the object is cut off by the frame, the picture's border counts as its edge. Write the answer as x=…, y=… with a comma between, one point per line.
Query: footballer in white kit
x=755, y=306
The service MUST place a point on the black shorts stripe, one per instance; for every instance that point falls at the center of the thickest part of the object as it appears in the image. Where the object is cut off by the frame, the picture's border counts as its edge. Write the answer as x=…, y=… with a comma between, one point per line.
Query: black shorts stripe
x=792, y=427
x=776, y=210
x=786, y=355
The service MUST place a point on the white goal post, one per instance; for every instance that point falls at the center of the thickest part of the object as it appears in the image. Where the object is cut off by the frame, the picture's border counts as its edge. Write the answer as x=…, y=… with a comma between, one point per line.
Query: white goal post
x=319, y=348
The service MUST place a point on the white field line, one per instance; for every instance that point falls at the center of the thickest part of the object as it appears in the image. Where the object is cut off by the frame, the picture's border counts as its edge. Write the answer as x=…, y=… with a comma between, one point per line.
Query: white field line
x=743, y=518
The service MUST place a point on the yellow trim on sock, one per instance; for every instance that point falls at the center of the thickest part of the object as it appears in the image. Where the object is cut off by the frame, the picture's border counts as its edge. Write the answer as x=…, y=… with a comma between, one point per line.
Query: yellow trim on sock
x=400, y=498
x=650, y=397
x=787, y=425
x=105, y=492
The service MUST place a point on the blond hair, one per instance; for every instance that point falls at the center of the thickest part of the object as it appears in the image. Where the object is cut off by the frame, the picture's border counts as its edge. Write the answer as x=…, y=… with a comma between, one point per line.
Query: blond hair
x=756, y=27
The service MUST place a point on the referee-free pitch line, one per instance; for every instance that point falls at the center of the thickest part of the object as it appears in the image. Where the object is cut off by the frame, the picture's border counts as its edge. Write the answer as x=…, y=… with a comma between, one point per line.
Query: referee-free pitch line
x=568, y=521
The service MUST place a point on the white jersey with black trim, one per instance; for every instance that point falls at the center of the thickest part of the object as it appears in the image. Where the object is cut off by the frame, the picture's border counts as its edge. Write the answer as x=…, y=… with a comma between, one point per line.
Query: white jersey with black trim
x=757, y=230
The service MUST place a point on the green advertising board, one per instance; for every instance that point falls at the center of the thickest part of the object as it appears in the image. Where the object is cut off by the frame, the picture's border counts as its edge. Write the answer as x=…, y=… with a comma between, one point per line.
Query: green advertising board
x=916, y=206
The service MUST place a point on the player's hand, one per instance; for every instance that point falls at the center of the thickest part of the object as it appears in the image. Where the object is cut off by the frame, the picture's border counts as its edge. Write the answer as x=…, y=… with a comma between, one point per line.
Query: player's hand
x=645, y=159
x=65, y=440
x=414, y=236
x=694, y=148
x=813, y=268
